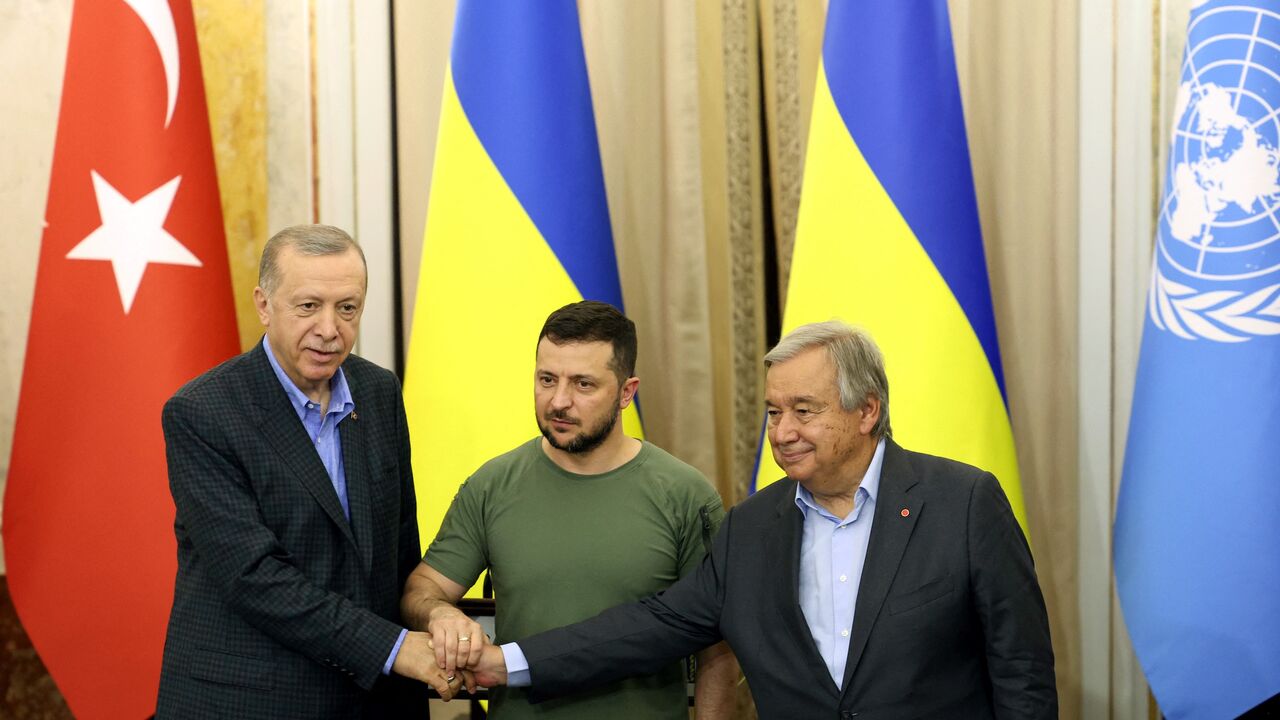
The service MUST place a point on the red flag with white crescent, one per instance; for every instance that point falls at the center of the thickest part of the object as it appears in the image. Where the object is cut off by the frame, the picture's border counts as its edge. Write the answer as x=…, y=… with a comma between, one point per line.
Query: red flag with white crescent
x=132, y=299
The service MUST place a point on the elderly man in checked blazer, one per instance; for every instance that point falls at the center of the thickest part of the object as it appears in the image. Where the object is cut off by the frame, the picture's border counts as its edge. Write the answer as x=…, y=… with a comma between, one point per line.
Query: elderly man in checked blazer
x=296, y=522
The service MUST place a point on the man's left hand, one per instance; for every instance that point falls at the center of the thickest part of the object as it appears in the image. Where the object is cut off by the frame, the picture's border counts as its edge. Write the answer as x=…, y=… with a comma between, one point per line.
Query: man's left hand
x=456, y=639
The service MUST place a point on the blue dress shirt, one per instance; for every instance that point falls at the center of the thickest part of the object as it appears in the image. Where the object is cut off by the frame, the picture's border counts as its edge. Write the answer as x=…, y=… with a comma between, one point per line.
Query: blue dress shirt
x=321, y=425
x=832, y=552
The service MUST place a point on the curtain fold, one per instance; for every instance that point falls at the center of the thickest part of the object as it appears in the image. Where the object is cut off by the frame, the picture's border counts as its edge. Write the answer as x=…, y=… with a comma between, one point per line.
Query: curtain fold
x=1018, y=76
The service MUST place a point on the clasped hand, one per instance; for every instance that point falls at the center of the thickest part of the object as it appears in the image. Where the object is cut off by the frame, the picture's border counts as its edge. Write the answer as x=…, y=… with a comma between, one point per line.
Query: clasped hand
x=462, y=648
x=489, y=669
x=453, y=654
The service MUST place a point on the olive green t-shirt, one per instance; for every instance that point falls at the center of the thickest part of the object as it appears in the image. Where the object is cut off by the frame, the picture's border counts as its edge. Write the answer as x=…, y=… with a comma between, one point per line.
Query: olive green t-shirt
x=562, y=547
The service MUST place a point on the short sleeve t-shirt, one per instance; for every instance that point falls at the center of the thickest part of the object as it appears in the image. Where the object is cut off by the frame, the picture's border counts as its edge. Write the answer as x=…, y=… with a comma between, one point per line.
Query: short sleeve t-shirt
x=563, y=547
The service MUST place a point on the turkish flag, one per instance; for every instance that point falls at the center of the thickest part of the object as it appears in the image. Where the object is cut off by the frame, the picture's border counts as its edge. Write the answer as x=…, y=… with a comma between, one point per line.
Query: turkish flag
x=132, y=299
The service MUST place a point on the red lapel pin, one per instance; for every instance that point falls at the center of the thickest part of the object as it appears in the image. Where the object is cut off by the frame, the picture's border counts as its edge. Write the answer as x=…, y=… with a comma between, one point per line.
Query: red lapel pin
x=905, y=512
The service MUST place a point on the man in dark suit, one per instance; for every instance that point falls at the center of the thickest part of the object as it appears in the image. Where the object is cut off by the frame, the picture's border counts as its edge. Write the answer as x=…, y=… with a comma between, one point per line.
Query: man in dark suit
x=871, y=582
x=296, y=521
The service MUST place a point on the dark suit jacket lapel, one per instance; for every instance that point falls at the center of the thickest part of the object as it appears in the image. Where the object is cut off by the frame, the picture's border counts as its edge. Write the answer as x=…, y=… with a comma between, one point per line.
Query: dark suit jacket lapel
x=351, y=430
x=783, y=552
x=279, y=422
x=889, y=535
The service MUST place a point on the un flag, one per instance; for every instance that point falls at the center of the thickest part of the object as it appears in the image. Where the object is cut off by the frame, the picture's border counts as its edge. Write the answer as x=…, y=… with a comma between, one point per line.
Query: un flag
x=1197, y=533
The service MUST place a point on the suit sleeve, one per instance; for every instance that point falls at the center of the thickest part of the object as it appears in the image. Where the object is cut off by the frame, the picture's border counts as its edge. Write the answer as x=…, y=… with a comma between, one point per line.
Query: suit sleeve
x=636, y=638
x=1007, y=596
x=410, y=547
x=219, y=510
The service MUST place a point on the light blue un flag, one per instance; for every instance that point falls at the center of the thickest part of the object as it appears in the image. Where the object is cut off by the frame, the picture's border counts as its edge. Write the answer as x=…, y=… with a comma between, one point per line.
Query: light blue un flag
x=1197, y=534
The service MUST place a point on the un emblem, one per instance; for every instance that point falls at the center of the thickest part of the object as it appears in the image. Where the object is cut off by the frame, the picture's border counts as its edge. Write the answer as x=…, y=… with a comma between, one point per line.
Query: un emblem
x=1215, y=275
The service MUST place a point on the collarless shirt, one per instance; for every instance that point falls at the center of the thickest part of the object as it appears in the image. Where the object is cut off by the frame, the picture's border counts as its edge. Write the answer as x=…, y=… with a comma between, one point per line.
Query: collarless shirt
x=832, y=553
x=320, y=423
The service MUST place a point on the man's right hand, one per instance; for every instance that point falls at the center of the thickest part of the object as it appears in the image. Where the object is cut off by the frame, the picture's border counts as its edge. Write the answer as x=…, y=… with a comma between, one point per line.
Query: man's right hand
x=415, y=660
x=490, y=670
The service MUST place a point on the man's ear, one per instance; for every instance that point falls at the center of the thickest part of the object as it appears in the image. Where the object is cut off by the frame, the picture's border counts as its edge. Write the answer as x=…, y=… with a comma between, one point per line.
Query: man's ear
x=260, y=303
x=629, y=389
x=870, y=415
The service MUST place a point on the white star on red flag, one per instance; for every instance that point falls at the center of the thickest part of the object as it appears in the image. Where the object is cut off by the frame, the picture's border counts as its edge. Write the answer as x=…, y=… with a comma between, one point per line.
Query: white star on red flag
x=132, y=235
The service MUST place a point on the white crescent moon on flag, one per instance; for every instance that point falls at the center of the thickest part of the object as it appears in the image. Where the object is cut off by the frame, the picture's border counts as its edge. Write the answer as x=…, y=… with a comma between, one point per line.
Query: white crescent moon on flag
x=158, y=18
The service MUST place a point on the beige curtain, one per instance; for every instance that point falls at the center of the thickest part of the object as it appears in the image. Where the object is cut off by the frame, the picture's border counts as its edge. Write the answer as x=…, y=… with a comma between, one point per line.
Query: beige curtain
x=1018, y=75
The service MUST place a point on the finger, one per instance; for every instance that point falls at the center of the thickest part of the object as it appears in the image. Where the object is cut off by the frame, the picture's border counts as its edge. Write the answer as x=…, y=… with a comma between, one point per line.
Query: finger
x=466, y=641
x=470, y=679
x=477, y=647
x=441, y=685
x=463, y=645
x=461, y=679
x=454, y=685
x=440, y=656
x=439, y=648
x=450, y=652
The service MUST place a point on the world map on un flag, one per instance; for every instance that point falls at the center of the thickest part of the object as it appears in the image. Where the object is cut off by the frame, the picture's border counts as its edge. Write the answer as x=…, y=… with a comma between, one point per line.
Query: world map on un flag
x=1216, y=274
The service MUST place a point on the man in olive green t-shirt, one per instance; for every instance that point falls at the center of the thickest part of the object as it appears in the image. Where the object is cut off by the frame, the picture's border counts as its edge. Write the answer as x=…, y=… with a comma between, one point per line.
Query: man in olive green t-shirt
x=573, y=523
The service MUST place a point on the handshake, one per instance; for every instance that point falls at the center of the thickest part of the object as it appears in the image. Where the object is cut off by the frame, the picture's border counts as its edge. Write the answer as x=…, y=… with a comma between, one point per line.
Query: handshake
x=454, y=653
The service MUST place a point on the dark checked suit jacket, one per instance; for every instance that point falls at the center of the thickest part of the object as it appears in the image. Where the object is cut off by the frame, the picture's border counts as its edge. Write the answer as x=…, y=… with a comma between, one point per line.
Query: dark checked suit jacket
x=282, y=607
x=949, y=621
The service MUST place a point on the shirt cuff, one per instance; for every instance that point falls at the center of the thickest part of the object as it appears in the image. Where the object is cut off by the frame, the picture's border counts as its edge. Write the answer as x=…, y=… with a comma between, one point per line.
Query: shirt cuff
x=391, y=659
x=517, y=666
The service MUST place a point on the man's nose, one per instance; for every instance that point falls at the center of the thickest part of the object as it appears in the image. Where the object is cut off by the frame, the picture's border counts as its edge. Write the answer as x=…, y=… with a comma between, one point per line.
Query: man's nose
x=784, y=430
x=327, y=323
x=563, y=396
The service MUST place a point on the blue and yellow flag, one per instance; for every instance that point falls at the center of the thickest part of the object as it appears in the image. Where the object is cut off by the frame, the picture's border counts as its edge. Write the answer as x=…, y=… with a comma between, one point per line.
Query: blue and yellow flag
x=517, y=226
x=888, y=235
x=1197, y=533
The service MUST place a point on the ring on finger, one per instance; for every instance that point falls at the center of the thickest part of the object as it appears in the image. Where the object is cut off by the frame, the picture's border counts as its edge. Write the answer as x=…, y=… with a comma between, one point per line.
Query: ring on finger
x=464, y=638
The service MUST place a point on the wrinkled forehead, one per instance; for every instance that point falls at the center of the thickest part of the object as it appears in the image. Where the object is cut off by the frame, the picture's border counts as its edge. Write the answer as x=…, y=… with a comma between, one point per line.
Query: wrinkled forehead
x=805, y=377
x=343, y=270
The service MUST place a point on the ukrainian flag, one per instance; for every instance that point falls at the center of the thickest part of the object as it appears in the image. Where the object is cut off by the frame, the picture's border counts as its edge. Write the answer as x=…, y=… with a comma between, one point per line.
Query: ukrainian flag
x=888, y=235
x=517, y=226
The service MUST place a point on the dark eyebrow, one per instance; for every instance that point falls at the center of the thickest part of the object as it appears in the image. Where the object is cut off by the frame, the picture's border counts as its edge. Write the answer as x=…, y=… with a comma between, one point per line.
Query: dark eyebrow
x=572, y=378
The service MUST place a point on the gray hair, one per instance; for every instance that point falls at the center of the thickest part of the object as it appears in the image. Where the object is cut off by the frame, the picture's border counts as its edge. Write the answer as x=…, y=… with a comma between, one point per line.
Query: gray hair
x=312, y=240
x=858, y=361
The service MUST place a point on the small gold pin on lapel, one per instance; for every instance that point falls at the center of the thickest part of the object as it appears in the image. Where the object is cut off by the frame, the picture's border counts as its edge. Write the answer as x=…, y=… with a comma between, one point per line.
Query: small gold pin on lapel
x=355, y=415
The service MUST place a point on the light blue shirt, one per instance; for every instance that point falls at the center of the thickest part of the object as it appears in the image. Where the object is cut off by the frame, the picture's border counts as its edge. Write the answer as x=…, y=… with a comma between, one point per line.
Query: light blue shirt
x=321, y=425
x=832, y=552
